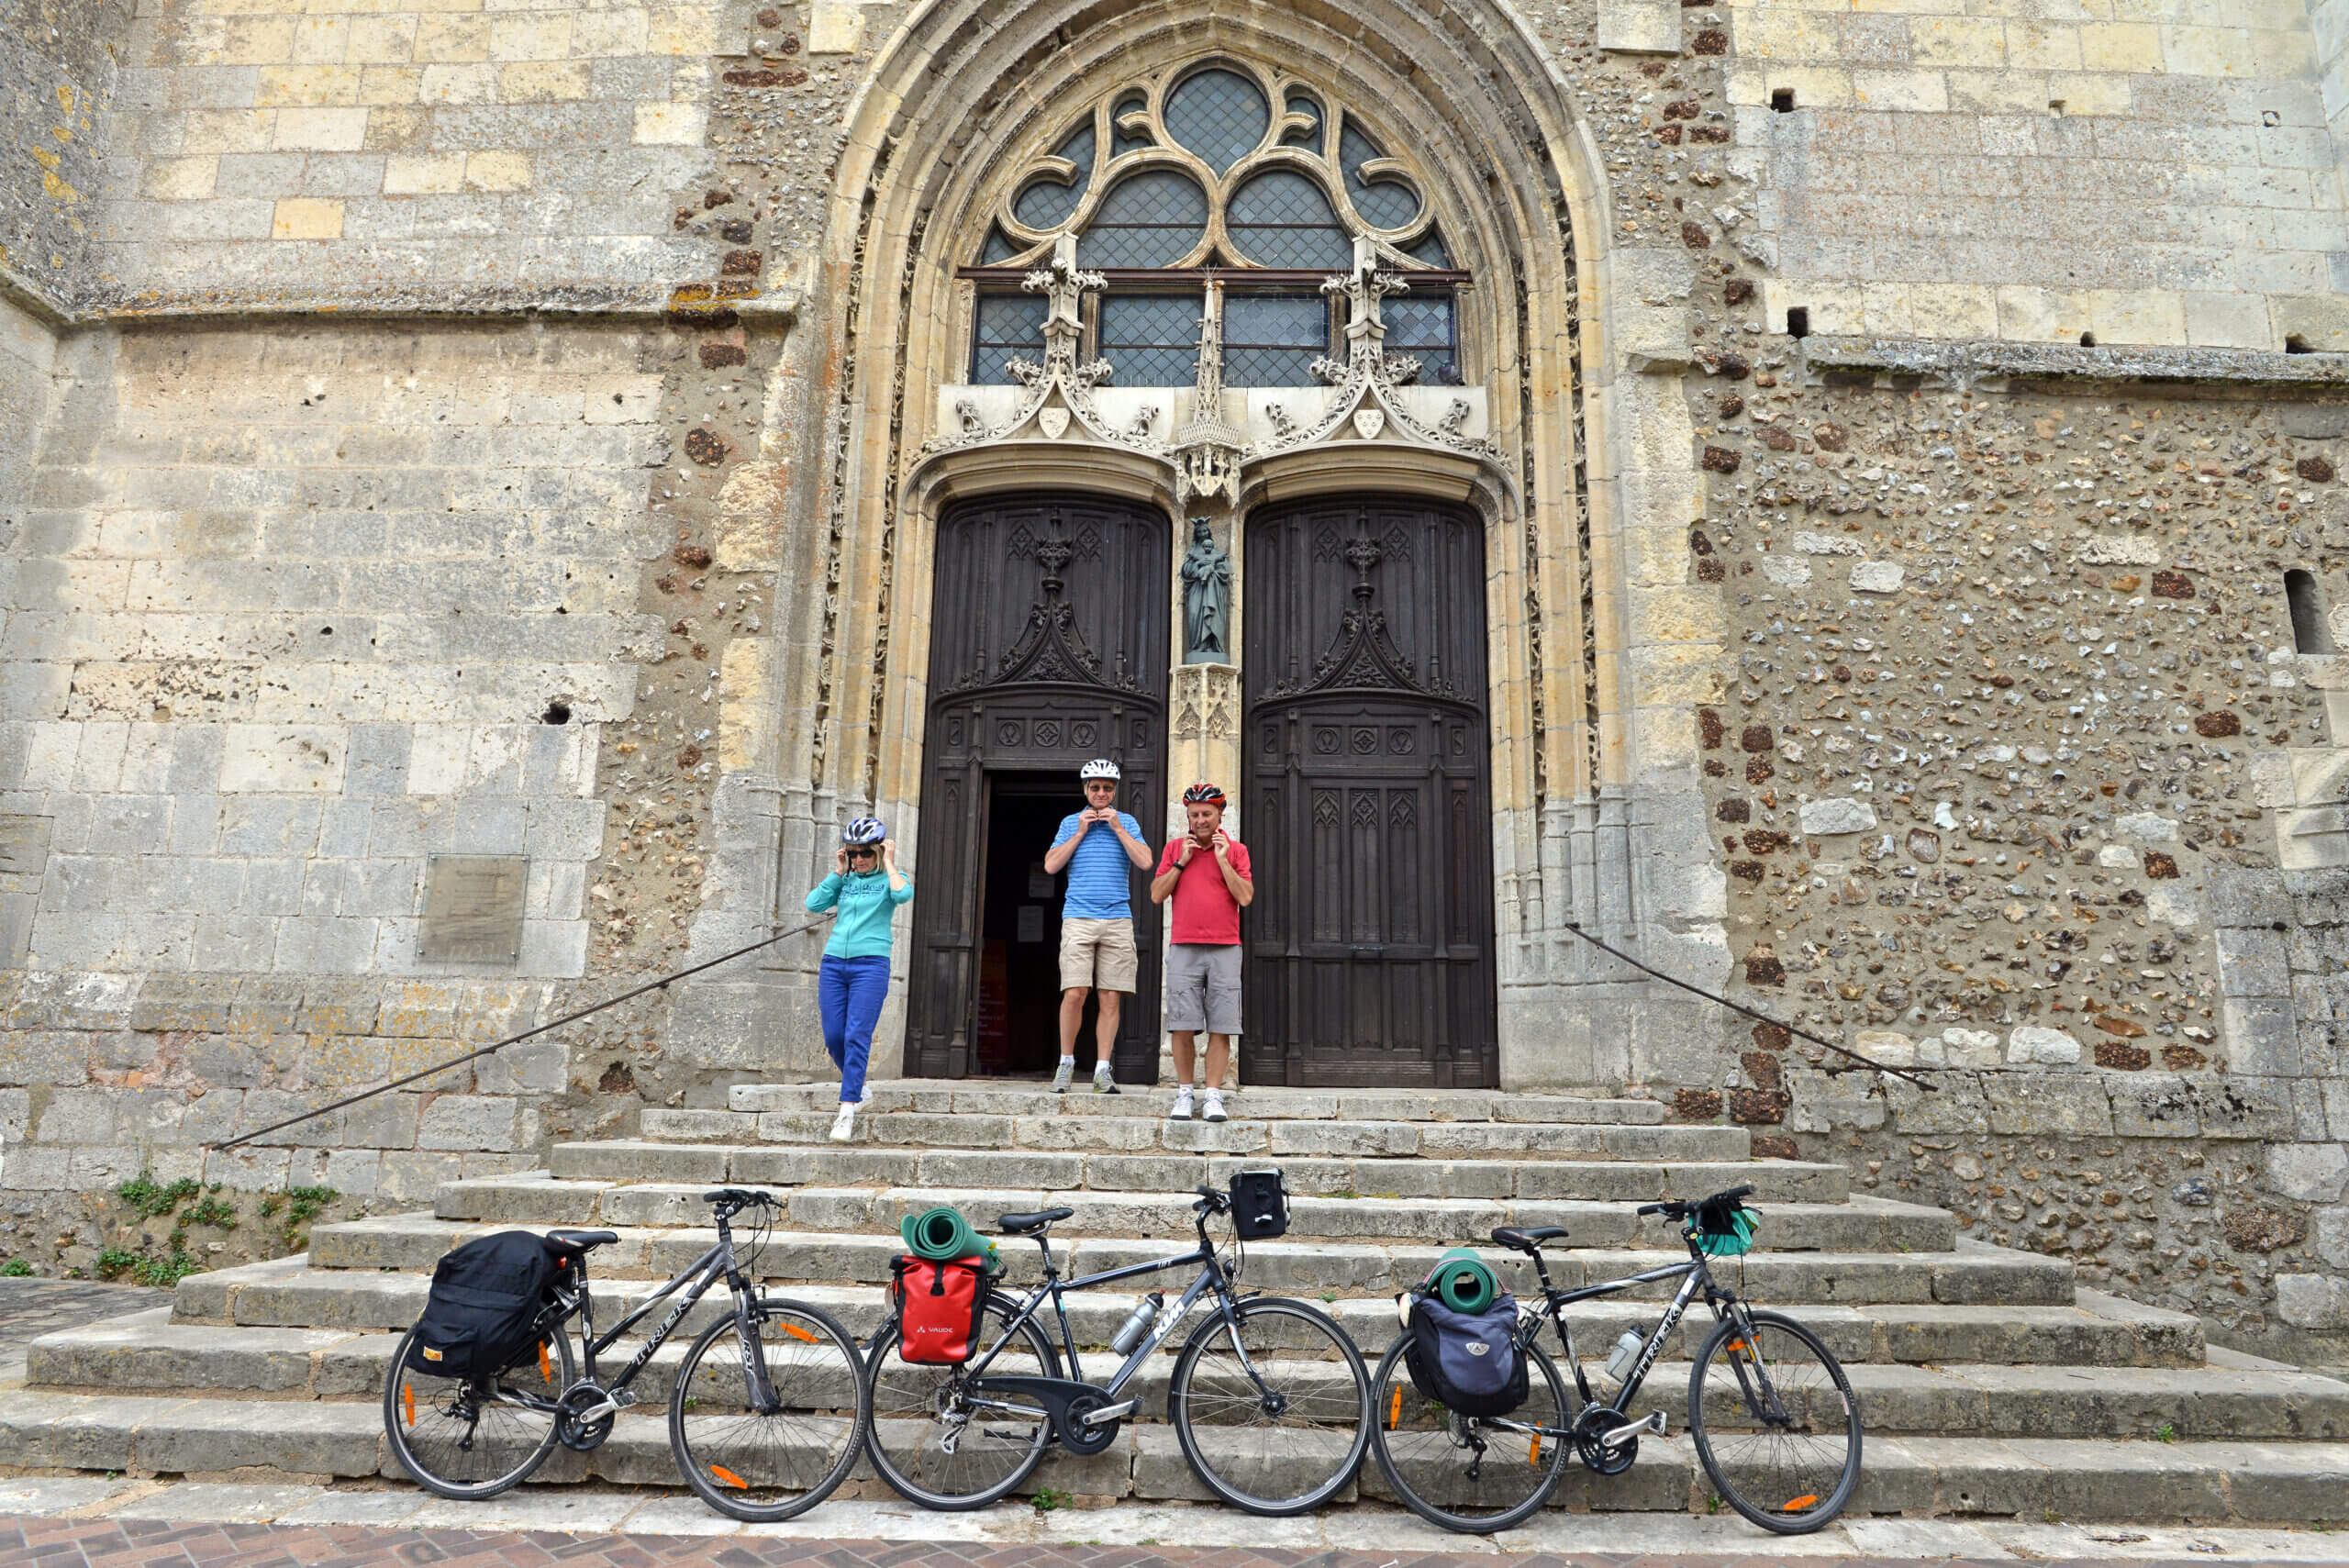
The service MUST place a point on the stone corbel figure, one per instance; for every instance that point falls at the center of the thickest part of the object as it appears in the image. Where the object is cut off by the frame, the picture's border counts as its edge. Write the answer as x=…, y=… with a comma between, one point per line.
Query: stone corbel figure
x=1206, y=599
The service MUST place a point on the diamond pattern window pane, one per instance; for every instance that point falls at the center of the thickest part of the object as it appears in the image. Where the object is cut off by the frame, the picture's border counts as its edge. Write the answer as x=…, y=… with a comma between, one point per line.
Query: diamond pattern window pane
x=1151, y=339
x=1280, y=218
x=1008, y=324
x=997, y=250
x=1152, y=219
x=1220, y=114
x=1046, y=205
x=1429, y=248
x=1383, y=204
x=1299, y=103
x=1424, y=325
x=1272, y=339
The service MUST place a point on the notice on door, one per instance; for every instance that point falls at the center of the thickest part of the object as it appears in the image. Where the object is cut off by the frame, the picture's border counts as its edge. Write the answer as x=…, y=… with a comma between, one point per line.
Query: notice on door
x=1031, y=922
x=1040, y=881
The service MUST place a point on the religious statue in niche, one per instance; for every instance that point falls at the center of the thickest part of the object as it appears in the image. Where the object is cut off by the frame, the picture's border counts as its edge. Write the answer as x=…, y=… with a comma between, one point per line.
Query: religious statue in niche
x=1207, y=599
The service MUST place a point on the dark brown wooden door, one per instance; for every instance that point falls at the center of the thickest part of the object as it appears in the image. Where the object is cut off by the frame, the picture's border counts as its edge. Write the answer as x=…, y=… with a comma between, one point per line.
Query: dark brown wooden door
x=1047, y=647
x=1370, y=943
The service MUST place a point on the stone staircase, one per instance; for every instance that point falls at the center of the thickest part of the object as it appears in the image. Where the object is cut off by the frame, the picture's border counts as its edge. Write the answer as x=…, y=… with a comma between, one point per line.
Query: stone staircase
x=1991, y=1384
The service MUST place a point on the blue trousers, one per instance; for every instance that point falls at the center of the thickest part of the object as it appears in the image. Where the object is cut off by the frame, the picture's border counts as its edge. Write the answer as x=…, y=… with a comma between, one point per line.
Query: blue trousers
x=851, y=991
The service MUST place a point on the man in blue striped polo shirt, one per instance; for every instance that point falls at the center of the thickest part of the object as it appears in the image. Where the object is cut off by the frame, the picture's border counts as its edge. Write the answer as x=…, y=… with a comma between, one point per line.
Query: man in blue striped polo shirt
x=1101, y=846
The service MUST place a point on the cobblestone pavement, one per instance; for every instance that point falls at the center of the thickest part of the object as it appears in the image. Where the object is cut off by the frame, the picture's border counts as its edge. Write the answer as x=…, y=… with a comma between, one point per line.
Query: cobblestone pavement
x=112, y=1522
x=31, y=1308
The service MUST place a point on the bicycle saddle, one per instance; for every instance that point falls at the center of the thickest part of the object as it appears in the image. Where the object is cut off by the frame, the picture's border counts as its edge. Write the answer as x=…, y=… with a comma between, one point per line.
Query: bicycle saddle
x=581, y=1240
x=1021, y=1223
x=1529, y=1240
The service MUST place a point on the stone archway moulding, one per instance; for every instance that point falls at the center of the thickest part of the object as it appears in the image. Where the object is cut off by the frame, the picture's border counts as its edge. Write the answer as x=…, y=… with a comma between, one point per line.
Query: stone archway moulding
x=1594, y=672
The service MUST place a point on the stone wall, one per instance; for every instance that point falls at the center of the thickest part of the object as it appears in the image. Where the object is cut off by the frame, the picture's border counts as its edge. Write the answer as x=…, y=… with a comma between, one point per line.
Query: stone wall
x=2167, y=175
x=59, y=59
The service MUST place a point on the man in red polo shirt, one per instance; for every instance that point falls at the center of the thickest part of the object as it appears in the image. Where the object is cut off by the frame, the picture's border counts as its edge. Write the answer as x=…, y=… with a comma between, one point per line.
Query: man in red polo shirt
x=1205, y=870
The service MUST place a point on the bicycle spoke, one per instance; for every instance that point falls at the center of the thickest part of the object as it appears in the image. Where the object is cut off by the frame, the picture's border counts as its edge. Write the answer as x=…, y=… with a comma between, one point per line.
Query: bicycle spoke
x=932, y=1442
x=475, y=1438
x=1463, y=1474
x=768, y=1465
x=1283, y=1427
x=1781, y=1442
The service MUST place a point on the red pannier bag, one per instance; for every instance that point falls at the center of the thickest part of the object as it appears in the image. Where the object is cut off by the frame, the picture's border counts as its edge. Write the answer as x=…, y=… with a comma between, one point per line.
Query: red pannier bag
x=939, y=1306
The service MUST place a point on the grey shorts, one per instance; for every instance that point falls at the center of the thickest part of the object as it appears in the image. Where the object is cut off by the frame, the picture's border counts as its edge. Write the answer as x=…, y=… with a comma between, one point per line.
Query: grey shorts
x=1203, y=987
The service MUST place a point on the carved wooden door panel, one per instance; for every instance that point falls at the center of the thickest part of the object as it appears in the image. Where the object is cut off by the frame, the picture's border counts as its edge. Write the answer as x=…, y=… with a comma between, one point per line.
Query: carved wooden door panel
x=1367, y=811
x=1048, y=646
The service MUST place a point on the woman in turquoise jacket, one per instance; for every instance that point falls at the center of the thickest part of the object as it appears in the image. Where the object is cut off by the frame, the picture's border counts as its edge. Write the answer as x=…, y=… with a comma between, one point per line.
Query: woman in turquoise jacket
x=865, y=888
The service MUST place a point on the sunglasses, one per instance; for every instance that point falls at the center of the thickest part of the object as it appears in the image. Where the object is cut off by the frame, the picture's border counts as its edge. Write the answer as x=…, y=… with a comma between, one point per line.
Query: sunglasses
x=862, y=854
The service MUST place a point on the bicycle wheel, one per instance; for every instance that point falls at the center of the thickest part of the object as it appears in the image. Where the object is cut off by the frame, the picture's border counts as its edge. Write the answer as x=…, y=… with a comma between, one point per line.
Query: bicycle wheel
x=1286, y=1438
x=761, y=1466
x=928, y=1438
x=471, y=1438
x=1461, y=1472
x=1775, y=1423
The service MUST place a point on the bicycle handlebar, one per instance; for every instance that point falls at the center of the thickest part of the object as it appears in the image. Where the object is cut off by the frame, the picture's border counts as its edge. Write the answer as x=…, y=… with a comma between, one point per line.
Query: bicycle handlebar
x=1681, y=1208
x=730, y=1200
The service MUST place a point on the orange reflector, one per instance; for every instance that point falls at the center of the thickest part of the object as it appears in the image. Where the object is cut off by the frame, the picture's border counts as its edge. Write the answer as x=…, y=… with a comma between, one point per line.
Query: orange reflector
x=1395, y=1408
x=546, y=1368
x=408, y=1401
x=1808, y=1500
x=796, y=1332
x=1534, y=1459
x=730, y=1478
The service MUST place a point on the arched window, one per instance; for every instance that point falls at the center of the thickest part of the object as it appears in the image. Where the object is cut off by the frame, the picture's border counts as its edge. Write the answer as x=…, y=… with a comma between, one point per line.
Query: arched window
x=1190, y=181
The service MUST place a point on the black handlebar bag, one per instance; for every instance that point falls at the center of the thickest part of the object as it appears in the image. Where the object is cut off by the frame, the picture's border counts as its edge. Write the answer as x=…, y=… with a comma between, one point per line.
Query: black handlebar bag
x=487, y=1304
x=1467, y=1362
x=1259, y=1204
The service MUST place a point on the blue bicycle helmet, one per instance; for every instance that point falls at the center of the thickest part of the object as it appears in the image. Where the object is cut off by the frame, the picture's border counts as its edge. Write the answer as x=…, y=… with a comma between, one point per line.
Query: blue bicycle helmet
x=864, y=830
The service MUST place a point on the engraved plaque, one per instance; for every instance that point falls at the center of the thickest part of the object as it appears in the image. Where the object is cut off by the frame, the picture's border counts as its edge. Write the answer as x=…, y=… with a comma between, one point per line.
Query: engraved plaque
x=472, y=908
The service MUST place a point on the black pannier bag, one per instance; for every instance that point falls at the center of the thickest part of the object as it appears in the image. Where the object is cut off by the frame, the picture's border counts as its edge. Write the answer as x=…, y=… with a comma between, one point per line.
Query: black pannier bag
x=1259, y=1204
x=483, y=1314
x=1467, y=1362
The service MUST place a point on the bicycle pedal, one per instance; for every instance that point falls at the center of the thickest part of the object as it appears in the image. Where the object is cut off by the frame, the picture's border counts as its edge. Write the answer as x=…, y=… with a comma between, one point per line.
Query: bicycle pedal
x=1621, y=1435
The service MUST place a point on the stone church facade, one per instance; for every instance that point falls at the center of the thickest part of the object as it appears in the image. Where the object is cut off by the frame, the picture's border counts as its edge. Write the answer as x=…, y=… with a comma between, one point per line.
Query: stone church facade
x=1838, y=504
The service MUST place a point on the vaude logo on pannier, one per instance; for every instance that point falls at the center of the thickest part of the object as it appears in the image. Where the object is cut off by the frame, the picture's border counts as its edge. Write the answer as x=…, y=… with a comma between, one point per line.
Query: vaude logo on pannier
x=1478, y=1348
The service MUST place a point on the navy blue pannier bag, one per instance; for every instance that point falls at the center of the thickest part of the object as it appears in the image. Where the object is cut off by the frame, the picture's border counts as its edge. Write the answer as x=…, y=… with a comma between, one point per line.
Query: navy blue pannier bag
x=483, y=1312
x=1467, y=1362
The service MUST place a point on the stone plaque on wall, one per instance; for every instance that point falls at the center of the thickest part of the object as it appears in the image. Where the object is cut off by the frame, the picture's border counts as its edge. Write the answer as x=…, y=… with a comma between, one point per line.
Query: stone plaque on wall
x=472, y=908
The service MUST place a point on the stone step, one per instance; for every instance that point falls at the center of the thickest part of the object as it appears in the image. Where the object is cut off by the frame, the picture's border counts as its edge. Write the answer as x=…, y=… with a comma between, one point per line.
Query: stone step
x=1004, y=1098
x=1123, y=1133
x=147, y=1353
x=824, y=1164
x=415, y=1242
x=1159, y=1200
x=274, y=1295
x=2076, y=1479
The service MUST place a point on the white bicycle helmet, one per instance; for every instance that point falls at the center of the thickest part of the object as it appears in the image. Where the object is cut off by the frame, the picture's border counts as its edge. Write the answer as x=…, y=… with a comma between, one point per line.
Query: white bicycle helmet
x=1099, y=768
x=864, y=831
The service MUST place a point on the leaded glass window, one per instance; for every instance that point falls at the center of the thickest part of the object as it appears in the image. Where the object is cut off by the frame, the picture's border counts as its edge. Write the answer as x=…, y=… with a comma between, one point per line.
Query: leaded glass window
x=1204, y=173
x=1151, y=339
x=1272, y=339
x=1009, y=326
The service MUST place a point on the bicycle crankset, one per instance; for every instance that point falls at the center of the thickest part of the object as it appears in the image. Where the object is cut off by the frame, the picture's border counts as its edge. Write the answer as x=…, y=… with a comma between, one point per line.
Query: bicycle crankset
x=1591, y=1429
x=1076, y=1436
x=583, y=1415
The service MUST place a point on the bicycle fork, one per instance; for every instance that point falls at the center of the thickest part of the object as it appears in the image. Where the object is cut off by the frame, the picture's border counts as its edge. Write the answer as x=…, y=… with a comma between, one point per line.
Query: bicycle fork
x=1745, y=1360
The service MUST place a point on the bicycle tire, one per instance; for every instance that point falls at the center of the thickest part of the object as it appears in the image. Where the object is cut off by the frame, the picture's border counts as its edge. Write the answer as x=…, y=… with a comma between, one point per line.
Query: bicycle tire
x=1393, y=1399
x=1807, y=1510
x=410, y=1395
x=912, y=1408
x=729, y=1452
x=1233, y=1394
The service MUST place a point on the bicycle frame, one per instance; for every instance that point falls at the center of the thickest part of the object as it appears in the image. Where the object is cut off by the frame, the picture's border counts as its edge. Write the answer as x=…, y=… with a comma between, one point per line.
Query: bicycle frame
x=1211, y=1276
x=695, y=1280
x=1694, y=1273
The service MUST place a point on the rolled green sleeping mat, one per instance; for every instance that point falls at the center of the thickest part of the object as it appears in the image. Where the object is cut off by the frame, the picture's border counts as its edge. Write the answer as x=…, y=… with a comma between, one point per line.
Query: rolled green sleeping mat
x=941, y=1234
x=1461, y=1281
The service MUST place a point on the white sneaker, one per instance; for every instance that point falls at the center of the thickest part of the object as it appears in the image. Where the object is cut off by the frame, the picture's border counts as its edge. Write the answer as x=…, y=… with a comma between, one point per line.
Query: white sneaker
x=1061, y=1078
x=1182, y=1108
x=1103, y=1084
x=1215, y=1108
x=864, y=1095
x=844, y=1123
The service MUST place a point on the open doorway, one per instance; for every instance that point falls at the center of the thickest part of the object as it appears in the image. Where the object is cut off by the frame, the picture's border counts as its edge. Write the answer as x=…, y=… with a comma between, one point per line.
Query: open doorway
x=1019, y=987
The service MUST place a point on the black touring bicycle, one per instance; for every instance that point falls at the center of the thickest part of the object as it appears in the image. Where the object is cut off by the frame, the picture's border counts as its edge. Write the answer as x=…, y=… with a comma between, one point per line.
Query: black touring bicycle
x=1771, y=1415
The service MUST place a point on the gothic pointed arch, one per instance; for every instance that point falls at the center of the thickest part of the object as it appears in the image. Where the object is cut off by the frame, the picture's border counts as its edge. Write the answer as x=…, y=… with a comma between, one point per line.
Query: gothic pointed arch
x=986, y=127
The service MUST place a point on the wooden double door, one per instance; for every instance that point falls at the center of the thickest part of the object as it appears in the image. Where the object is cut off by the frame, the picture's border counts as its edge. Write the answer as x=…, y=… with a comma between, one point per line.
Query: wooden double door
x=1364, y=795
x=1365, y=804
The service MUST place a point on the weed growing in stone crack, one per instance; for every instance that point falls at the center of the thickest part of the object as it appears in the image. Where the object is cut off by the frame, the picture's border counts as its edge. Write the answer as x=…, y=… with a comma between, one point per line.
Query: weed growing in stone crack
x=14, y=1268
x=2165, y=1433
x=151, y=1201
x=1712, y=1503
x=161, y=1272
x=210, y=1211
x=303, y=1205
x=1046, y=1500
